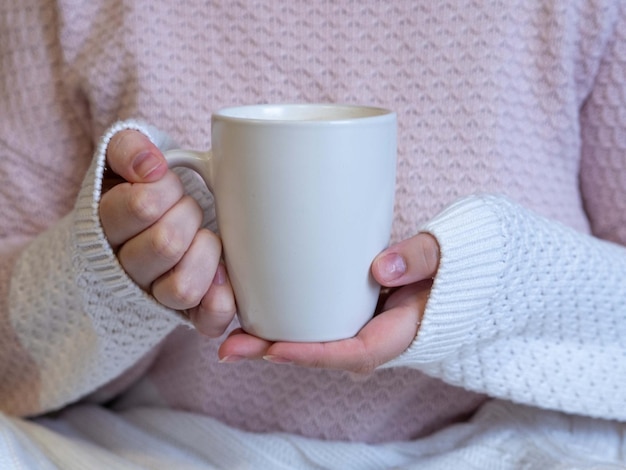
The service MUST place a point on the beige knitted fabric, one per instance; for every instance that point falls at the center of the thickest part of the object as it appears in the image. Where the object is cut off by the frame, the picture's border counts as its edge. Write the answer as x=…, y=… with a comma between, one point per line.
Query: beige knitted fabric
x=518, y=99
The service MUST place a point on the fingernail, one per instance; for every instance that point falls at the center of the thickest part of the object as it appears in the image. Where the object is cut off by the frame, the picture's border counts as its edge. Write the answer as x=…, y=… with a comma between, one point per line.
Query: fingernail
x=231, y=359
x=220, y=275
x=145, y=163
x=391, y=267
x=277, y=360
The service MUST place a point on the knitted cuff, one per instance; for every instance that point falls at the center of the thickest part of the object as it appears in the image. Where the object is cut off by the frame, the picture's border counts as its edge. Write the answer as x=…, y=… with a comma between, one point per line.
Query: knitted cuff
x=89, y=236
x=473, y=247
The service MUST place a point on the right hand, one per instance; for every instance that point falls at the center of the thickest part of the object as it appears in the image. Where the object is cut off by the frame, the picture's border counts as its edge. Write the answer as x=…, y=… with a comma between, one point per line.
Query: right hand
x=155, y=230
x=407, y=267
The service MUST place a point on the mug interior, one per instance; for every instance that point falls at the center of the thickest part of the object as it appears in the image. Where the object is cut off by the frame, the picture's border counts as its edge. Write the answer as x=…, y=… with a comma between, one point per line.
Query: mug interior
x=301, y=112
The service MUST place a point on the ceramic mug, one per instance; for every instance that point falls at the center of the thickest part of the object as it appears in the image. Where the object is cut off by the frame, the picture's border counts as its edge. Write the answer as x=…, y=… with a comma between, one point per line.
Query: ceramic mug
x=304, y=202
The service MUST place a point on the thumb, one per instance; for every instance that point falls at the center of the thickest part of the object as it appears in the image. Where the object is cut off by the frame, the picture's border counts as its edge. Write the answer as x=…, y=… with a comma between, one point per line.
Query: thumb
x=408, y=261
x=131, y=155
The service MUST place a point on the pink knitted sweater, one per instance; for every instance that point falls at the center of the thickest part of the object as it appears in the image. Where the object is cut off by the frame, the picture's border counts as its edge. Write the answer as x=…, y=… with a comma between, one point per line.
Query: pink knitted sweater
x=522, y=102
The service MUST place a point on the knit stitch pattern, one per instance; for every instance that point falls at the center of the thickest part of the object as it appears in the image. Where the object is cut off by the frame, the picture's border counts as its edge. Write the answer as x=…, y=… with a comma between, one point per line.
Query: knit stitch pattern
x=519, y=100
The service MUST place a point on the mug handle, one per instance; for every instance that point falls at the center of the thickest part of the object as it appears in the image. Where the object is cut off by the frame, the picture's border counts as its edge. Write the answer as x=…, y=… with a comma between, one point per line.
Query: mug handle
x=200, y=162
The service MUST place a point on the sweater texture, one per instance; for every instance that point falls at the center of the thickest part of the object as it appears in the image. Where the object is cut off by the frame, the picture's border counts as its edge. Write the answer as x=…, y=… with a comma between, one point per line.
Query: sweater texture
x=512, y=153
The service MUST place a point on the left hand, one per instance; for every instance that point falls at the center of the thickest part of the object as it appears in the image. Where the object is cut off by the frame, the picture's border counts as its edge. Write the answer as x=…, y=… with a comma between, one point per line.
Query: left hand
x=157, y=235
x=408, y=268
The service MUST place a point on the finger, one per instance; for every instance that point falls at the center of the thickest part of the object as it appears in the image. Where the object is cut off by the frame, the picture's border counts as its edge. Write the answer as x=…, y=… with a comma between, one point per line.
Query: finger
x=129, y=209
x=385, y=337
x=409, y=261
x=184, y=286
x=157, y=249
x=414, y=293
x=217, y=309
x=239, y=345
x=135, y=158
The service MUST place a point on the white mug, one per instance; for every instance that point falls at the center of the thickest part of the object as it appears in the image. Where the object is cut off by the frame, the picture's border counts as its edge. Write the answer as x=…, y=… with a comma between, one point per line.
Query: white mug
x=304, y=201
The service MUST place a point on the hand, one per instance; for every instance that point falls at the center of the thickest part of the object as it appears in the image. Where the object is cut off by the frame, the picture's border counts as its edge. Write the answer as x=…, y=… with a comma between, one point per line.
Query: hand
x=408, y=269
x=156, y=233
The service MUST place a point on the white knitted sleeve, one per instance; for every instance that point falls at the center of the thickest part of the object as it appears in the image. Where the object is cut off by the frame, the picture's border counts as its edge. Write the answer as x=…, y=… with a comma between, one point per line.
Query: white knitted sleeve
x=90, y=322
x=526, y=309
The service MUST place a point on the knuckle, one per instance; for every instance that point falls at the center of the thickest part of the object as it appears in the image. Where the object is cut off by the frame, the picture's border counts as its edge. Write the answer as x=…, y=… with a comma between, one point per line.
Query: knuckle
x=220, y=306
x=430, y=254
x=167, y=242
x=113, y=148
x=214, y=319
x=212, y=240
x=211, y=244
x=185, y=294
x=120, y=147
x=193, y=208
x=421, y=255
x=143, y=204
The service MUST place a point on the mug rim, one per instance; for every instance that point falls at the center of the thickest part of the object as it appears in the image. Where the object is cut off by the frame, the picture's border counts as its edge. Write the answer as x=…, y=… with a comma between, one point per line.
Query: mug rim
x=302, y=113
